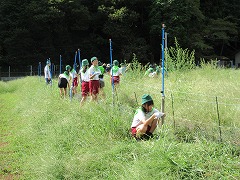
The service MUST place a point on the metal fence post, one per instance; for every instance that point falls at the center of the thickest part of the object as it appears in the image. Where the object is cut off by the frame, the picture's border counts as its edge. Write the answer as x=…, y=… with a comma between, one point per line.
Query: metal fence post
x=219, y=123
x=30, y=70
x=174, y=123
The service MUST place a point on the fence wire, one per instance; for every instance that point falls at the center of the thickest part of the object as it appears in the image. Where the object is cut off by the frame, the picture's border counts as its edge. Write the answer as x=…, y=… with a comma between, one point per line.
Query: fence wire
x=195, y=116
x=192, y=116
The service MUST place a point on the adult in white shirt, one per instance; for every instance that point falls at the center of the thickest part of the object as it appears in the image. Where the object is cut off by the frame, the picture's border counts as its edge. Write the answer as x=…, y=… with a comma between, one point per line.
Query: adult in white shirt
x=47, y=73
x=145, y=119
x=94, y=84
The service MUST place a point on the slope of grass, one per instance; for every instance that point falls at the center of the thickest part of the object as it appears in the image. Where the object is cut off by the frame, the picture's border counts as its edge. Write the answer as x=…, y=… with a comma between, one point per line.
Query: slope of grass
x=45, y=137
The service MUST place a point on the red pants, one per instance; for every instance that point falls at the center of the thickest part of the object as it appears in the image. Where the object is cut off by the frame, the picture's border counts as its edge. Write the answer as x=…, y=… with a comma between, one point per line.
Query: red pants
x=134, y=130
x=115, y=79
x=85, y=88
x=94, y=86
x=75, y=82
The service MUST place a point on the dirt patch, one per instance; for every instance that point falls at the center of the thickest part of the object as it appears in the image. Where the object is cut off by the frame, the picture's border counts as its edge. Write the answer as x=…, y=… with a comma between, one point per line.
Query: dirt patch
x=9, y=177
x=3, y=144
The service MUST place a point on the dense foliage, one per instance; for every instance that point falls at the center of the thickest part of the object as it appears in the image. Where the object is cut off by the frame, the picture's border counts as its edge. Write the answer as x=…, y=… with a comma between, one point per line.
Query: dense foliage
x=34, y=30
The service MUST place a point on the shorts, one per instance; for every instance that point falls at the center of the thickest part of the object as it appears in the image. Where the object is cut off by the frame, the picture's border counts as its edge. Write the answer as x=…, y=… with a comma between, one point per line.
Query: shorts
x=134, y=130
x=115, y=79
x=102, y=84
x=85, y=88
x=94, y=86
x=75, y=82
x=62, y=83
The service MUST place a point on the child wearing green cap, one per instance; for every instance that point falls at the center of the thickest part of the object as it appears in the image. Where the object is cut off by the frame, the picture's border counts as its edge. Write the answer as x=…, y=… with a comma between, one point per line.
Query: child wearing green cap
x=63, y=82
x=84, y=76
x=115, y=73
x=75, y=79
x=94, y=83
x=145, y=119
x=101, y=80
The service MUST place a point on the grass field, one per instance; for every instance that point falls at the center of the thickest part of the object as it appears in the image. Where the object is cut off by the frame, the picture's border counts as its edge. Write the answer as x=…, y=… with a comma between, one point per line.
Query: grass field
x=45, y=137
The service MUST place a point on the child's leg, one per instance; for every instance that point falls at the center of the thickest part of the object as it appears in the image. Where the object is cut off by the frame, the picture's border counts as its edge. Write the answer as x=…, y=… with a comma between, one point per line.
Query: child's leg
x=83, y=100
x=61, y=92
x=142, y=128
x=153, y=126
x=65, y=92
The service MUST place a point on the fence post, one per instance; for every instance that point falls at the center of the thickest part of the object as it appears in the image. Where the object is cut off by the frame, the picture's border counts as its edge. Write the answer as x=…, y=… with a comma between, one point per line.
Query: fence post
x=163, y=55
x=9, y=70
x=174, y=123
x=219, y=123
x=30, y=70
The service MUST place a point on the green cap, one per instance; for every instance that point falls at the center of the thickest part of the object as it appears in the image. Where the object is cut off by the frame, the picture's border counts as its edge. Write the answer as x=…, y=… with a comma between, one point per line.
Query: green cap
x=150, y=70
x=68, y=67
x=115, y=63
x=85, y=62
x=66, y=73
x=146, y=98
x=48, y=62
x=93, y=59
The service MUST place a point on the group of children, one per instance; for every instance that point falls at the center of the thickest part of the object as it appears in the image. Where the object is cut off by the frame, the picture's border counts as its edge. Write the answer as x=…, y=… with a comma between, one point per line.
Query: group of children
x=91, y=79
x=146, y=118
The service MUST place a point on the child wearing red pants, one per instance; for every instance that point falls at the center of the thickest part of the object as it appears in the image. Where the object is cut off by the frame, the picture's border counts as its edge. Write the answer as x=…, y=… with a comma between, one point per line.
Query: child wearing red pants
x=115, y=73
x=84, y=76
x=94, y=83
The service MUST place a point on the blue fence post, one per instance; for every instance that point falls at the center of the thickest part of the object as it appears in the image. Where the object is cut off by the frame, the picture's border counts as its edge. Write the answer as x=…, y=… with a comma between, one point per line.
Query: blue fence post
x=163, y=70
x=110, y=43
x=60, y=68
x=79, y=58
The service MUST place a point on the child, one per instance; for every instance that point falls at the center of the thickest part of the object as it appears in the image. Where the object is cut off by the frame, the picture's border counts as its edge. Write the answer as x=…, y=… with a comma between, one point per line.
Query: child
x=115, y=73
x=101, y=80
x=94, y=84
x=47, y=73
x=63, y=82
x=84, y=76
x=145, y=119
x=74, y=77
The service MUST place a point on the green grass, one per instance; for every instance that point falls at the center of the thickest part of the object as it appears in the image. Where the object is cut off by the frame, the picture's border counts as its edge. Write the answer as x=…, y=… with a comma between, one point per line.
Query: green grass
x=45, y=137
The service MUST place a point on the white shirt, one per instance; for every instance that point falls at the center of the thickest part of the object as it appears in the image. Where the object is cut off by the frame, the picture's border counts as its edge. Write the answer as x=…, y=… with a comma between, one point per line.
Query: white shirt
x=47, y=72
x=73, y=74
x=64, y=76
x=115, y=71
x=94, y=70
x=140, y=115
x=85, y=76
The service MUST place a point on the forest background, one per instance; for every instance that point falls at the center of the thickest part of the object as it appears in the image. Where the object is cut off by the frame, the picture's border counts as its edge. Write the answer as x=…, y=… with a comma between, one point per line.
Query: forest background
x=34, y=30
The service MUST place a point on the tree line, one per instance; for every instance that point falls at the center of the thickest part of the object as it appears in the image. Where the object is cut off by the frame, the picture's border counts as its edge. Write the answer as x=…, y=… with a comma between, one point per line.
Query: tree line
x=34, y=30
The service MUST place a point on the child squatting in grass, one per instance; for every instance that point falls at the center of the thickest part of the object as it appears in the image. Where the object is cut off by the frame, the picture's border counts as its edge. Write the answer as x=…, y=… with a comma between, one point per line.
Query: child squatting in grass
x=145, y=119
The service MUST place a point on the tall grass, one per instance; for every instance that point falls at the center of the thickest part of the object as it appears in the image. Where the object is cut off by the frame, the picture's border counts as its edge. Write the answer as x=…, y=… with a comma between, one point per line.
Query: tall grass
x=179, y=59
x=46, y=137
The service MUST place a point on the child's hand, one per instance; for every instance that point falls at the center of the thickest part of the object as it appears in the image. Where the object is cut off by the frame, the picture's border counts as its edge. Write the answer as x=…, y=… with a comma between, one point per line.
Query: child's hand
x=158, y=115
